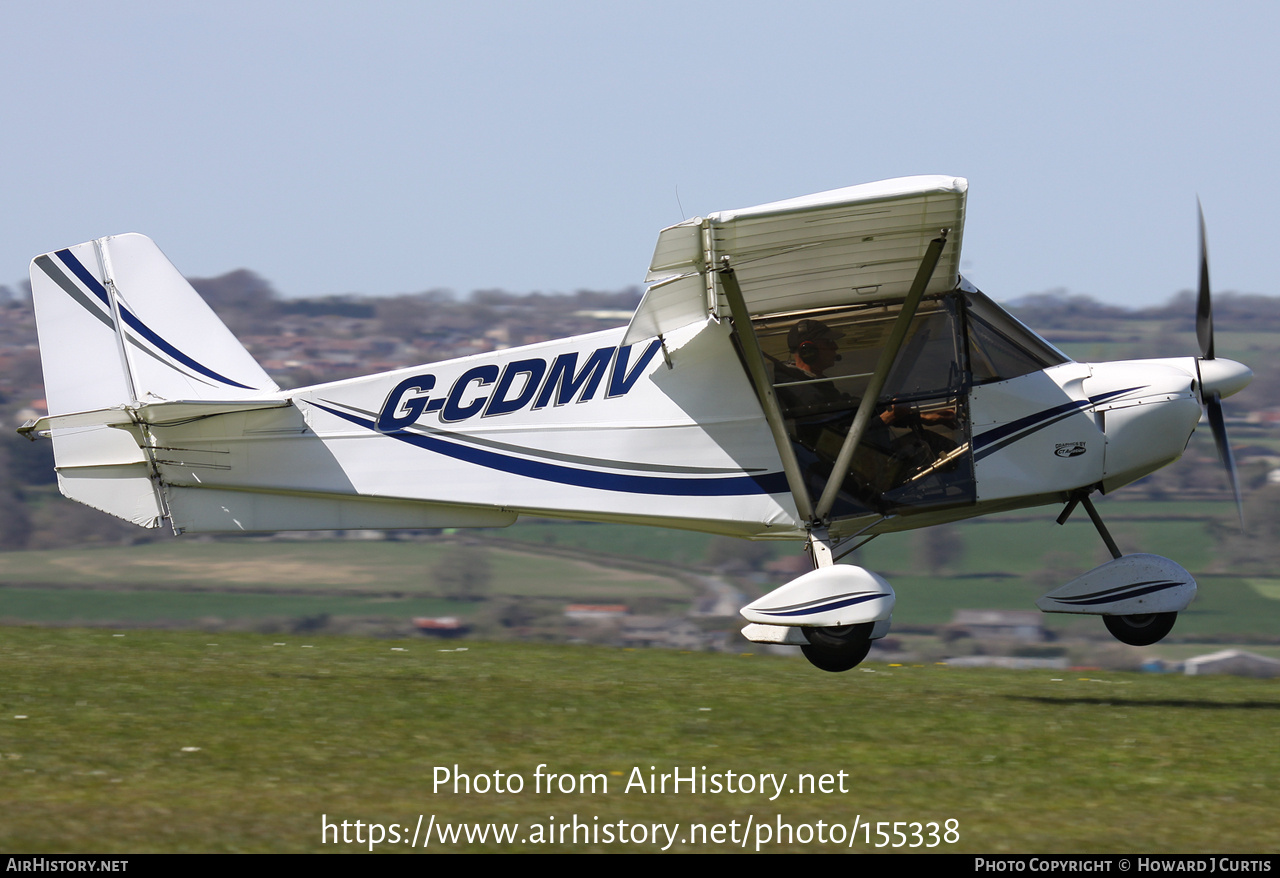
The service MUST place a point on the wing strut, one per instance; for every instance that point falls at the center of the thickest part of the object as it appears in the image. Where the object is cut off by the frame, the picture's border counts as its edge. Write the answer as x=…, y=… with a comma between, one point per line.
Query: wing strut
x=887, y=356
x=754, y=358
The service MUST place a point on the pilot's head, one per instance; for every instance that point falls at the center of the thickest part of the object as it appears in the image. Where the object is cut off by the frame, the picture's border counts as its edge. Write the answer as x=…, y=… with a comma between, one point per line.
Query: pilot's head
x=813, y=345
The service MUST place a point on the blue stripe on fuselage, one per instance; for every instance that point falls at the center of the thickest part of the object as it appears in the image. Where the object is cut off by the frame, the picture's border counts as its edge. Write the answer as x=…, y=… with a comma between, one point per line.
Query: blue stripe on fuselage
x=770, y=483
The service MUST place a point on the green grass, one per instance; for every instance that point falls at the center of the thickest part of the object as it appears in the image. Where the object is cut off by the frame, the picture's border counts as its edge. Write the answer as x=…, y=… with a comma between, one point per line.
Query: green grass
x=170, y=741
x=191, y=582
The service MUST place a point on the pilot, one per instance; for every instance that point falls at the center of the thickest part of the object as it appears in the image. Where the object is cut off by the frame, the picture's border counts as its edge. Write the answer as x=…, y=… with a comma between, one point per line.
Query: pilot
x=813, y=350
x=819, y=415
x=813, y=347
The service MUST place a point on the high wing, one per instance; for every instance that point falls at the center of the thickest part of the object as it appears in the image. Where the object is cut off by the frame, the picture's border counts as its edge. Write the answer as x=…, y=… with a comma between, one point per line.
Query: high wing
x=895, y=241
x=856, y=245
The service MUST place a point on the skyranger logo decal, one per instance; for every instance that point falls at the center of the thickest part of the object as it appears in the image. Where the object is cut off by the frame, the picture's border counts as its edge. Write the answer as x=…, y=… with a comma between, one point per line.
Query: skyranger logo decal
x=1006, y=434
x=515, y=386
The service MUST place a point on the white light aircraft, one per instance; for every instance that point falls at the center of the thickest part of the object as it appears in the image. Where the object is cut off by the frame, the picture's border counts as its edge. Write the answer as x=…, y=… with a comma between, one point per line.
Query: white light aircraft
x=813, y=369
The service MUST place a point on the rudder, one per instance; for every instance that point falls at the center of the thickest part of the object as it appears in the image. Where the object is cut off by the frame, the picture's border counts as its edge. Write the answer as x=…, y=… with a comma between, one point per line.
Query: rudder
x=119, y=328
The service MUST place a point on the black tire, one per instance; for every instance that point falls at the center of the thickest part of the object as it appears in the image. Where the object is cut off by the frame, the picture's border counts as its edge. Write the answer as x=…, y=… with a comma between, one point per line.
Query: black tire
x=1142, y=630
x=837, y=649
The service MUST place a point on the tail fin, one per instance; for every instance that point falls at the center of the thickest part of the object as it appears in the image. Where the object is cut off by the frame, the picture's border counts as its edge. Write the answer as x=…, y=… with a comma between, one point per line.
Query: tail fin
x=120, y=329
x=118, y=323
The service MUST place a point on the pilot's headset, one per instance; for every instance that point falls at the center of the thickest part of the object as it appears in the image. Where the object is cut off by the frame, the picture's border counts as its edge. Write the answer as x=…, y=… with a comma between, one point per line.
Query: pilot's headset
x=803, y=340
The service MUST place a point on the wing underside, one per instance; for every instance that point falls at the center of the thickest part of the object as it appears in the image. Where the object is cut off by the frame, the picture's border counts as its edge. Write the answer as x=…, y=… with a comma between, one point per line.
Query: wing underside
x=861, y=244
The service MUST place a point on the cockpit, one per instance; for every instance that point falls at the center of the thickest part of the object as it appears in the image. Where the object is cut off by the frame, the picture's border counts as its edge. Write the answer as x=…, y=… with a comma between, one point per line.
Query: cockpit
x=915, y=452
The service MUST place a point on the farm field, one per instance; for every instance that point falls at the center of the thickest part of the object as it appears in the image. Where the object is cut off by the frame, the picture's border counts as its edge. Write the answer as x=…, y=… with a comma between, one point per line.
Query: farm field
x=338, y=567
x=999, y=562
x=214, y=582
x=131, y=742
x=1014, y=542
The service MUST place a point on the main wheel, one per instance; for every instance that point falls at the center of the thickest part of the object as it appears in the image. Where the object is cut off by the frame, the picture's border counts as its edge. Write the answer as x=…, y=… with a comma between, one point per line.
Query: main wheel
x=1142, y=630
x=839, y=648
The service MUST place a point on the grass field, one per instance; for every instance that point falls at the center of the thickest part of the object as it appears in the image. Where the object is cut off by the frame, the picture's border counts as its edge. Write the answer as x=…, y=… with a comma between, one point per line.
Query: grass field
x=1006, y=562
x=175, y=741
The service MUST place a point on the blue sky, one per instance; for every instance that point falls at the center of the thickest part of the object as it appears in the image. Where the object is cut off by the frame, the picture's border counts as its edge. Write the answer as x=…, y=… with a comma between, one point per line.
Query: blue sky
x=387, y=147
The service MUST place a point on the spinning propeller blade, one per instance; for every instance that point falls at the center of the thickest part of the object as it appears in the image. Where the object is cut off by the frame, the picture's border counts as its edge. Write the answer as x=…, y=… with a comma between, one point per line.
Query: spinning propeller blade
x=1214, y=406
x=1212, y=398
x=1204, y=303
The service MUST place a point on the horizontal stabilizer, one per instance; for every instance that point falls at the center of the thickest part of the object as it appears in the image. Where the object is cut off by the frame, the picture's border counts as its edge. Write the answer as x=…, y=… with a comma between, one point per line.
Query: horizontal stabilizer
x=156, y=414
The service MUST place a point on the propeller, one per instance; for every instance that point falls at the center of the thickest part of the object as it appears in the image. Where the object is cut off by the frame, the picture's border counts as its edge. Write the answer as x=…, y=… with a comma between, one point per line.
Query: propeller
x=1216, y=376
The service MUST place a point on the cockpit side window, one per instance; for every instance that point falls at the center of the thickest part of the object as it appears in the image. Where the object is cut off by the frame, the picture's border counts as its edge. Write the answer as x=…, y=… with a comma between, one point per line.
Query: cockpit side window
x=824, y=361
x=913, y=452
x=927, y=363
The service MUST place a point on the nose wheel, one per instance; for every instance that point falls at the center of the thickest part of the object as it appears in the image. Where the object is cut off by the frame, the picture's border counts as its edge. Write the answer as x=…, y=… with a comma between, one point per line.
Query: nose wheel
x=839, y=648
x=1139, y=629
x=1142, y=630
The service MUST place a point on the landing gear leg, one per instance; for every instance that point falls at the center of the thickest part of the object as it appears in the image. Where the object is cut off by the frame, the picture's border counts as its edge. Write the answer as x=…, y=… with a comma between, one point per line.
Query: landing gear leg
x=1083, y=500
x=1136, y=630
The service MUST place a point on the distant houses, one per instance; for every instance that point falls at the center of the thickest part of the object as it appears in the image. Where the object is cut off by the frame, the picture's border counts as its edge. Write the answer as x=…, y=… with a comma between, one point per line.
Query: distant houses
x=663, y=631
x=1024, y=626
x=595, y=612
x=441, y=626
x=625, y=629
x=1236, y=662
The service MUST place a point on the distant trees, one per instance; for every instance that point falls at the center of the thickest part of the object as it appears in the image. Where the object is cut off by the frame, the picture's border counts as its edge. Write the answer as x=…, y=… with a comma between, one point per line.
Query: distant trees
x=941, y=548
x=1058, y=309
x=240, y=298
x=463, y=573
